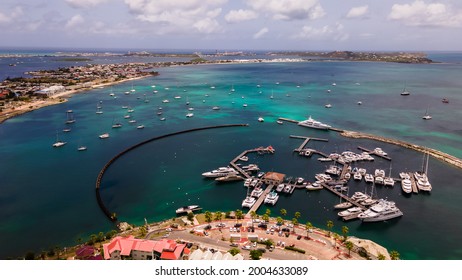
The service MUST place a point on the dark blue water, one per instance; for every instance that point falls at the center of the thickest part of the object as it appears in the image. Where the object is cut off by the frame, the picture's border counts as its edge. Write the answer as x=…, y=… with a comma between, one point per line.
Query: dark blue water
x=47, y=195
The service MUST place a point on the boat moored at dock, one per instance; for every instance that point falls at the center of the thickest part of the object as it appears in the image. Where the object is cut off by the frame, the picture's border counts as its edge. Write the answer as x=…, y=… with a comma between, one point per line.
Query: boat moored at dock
x=186, y=209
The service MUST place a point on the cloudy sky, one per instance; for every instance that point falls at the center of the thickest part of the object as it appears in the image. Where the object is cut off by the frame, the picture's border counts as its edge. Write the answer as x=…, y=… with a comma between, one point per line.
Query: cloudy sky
x=233, y=24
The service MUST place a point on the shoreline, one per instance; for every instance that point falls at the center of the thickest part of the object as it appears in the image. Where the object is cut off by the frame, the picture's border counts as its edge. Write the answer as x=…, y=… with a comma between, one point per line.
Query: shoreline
x=57, y=99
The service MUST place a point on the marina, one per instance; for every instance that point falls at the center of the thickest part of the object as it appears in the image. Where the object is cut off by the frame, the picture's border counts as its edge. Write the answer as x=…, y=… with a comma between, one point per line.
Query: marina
x=132, y=192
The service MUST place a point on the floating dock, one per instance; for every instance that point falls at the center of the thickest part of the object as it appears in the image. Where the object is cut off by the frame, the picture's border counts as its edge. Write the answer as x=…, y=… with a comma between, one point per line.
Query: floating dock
x=343, y=196
x=373, y=153
x=233, y=164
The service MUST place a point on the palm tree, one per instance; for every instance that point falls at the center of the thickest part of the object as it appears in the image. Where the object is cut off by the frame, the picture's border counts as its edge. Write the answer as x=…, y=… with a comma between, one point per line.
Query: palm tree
x=279, y=220
x=330, y=225
x=297, y=215
x=394, y=255
x=208, y=216
x=349, y=246
x=345, y=231
x=268, y=212
x=308, y=226
x=218, y=216
x=265, y=218
x=381, y=257
x=283, y=212
x=239, y=214
x=294, y=222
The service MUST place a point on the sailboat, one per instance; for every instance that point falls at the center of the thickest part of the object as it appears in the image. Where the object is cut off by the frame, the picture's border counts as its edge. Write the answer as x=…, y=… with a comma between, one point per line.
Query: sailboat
x=70, y=117
x=427, y=116
x=99, y=109
x=421, y=177
x=389, y=181
x=116, y=124
x=405, y=92
x=58, y=142
x=81, y=148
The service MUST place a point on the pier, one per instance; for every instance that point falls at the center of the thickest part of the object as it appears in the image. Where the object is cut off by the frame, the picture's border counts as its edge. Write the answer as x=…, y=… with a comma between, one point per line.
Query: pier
x=374, y=153
x=260, y=200
x=415, y=189
x=343, y=196
x=305, y=142
x=233, y=164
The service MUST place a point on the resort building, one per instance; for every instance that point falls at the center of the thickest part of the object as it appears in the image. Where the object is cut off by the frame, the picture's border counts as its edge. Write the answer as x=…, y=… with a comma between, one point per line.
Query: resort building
x=273, y=178
x=140, y=249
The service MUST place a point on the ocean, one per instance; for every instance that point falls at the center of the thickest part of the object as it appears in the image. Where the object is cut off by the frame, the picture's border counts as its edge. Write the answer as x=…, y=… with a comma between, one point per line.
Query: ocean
x=47, y=195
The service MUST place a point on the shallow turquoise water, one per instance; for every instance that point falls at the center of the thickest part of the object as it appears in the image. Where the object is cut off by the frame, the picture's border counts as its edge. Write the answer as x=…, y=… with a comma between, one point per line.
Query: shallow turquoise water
x=47, y=195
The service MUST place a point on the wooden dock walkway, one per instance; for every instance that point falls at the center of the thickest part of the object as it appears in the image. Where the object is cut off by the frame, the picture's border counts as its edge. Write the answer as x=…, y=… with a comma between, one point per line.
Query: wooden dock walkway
x=373, y=153
x=242, y=171
x=288, y=120
x=415, y=189
x=343, y=196
x=260, y=200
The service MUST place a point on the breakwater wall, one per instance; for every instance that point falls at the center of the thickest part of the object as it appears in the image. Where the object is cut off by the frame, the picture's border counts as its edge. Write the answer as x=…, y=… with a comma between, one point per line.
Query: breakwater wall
x=455, y=161
x=113, y=216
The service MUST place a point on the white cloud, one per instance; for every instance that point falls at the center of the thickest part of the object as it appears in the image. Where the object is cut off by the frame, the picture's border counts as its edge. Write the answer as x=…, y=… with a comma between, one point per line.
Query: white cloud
x=420, y=13
x=358, y=12
x=261, y=33
x=234, y=16
x=289, y=9
x=10, y=16
x=326, y=32
x=85, y=3
x=178, y=16
x=75, y=21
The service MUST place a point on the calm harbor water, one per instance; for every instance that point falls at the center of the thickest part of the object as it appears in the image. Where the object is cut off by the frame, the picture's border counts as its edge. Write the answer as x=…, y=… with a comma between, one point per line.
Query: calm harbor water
x=47, y=195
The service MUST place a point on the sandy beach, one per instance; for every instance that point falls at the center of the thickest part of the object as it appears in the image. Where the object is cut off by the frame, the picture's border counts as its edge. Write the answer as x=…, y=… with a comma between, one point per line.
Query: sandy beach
x=26, y=107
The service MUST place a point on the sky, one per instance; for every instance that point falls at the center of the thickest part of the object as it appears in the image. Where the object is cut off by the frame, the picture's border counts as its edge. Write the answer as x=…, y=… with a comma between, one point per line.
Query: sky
x=309, y=25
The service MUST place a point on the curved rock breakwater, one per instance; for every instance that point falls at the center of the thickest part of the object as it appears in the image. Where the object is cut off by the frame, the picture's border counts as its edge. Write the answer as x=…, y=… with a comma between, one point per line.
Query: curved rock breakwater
x=455, y=161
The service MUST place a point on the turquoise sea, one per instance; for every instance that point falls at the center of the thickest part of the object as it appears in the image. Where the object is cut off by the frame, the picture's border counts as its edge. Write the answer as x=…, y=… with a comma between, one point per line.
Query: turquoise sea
x=47, y=195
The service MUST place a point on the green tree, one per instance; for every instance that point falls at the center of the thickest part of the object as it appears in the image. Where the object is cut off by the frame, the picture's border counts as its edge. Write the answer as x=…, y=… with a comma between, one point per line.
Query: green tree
x=283, y=212
x=100, y=236
x=239, y=214
x=330, y=225
x=294, y=222
x=92, y=239
x=255, y=254
x=279, y=220
x=190, y=216
x=308, y=227
x=268, y=212
x=208, y=216
x=218, y=216
x=234, y=251
x=349, y=246
x=142, y=231
x=345, y=231
x=297, y=215
x=381, y=257
x=265, y=218
x=253, y=215
x=394, y=255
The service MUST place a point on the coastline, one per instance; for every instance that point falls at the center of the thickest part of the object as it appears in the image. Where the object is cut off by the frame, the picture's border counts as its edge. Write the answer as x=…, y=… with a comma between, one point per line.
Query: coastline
x=57, y=99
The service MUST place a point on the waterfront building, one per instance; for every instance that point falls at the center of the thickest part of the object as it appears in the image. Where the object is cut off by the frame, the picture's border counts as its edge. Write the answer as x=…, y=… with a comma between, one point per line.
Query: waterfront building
x=121, y=248
x=273, y=178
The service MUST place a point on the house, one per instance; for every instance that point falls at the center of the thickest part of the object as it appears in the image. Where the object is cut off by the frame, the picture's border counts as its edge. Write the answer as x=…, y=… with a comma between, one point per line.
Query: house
x=273, y=178
x=140, y=249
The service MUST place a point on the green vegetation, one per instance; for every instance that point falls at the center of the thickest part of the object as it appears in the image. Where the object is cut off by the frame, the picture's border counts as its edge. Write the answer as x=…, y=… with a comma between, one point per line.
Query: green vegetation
x=198, y=60
x=394, y=255
x=295, y=249
x=234, y=251
x=255, y=254
x=349, y=246
x=330, y=225
x=345, y=231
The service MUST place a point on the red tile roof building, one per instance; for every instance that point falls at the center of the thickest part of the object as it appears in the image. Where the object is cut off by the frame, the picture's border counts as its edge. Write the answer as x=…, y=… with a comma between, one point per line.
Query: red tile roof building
x=140, y=249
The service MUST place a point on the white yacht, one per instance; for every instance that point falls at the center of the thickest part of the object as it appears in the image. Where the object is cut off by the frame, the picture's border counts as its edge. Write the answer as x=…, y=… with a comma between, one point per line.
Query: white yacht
x=280, y=187
x=343, y=205
x=427, y=116
x=422, y=181
x=248, y=202
x=186, y=209
x=104, y=136
x=388, y=181
x=220, y=172
x=310, y=122
x=381, y=211
x=230, y=177
x=82, y=148
x=314, y=186
x=190, y=115
x=406, y=185
x=404, y=175
x=140, y=126
x=380, y=152
x=379, y=172
x=350, y=211
x=271, y=198
x=257, y=192
x=379, y=180
x=328, y=105
x=369, y=178
x=247, y=182
x=59, y=143
x=244, y=158
x=357, y=176
x=260, y=119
